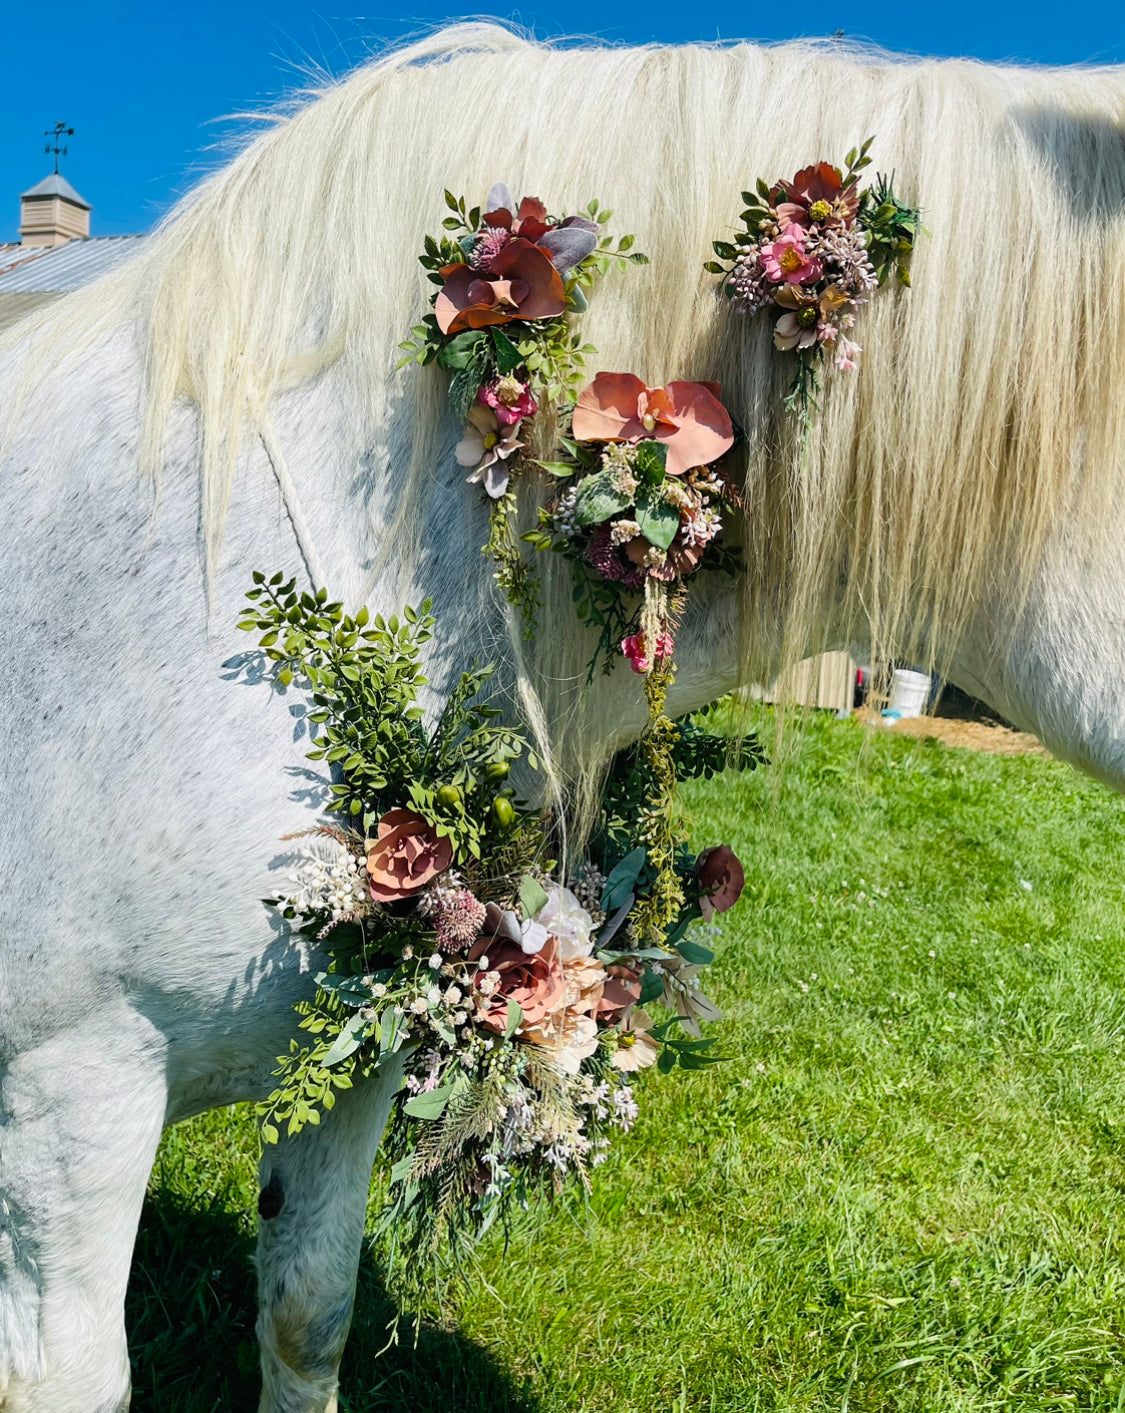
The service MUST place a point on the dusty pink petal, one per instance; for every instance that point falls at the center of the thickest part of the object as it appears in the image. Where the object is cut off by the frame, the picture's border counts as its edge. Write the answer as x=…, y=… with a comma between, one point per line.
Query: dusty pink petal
x=607, y=409
x=703, y=431
x=405, y=856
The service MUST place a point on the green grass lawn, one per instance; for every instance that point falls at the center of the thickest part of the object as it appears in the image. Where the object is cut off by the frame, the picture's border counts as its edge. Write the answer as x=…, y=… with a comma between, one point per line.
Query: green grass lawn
x=903, y=1192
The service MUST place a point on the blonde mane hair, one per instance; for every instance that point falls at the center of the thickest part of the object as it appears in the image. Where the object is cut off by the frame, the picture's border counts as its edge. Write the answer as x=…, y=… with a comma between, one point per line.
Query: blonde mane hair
x=990, y=399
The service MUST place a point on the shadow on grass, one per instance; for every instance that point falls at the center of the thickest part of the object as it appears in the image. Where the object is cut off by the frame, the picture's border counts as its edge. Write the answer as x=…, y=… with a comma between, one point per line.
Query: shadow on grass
x=190, y=1313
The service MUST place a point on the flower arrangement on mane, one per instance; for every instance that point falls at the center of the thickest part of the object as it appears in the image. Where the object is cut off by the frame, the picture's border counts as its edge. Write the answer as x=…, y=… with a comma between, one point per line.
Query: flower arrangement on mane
x=813, y=250
x=508, y=278
x=515, y=994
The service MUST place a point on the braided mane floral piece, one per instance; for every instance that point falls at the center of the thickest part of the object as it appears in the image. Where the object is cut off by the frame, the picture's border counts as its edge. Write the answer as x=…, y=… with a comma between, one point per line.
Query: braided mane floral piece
x=815, y=248
x=509, y=278
x=514, y=995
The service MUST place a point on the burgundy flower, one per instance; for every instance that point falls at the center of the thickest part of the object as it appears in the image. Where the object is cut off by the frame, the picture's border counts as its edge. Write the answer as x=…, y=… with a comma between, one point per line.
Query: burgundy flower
x=721, y=879
x=567, y=244
x=522, y=283
x=816, y=194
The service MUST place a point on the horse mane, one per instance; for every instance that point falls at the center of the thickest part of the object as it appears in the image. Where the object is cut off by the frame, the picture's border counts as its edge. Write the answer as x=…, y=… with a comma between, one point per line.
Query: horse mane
x=990, y=400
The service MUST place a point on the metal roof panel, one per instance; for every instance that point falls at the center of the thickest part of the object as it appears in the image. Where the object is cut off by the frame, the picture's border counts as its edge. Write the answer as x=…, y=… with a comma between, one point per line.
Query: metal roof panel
x=65, y=267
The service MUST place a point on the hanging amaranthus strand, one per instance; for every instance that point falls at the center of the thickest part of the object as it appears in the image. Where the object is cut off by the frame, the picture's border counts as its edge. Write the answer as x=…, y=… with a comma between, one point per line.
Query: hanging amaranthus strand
x=661, y=824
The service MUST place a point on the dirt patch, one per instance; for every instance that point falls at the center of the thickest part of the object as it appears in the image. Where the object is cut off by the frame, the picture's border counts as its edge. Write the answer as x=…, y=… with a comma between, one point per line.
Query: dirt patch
x=968, y=735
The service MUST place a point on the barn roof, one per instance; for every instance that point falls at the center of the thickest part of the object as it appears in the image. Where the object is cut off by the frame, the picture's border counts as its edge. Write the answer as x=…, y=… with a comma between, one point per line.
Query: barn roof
x=60, y=268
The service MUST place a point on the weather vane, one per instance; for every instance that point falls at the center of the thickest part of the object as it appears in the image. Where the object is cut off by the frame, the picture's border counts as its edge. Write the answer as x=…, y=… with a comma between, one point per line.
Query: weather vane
x=59, y=130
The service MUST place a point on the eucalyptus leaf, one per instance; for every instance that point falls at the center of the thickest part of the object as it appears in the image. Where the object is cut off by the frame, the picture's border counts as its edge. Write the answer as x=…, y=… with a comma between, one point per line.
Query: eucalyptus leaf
x=598, y=498
x=401, y=1170
x=347, y=1042
x=659, y=521
x=695, y=953
x=508, y=356
x=532, y=896
x=622, y=879
x=430, y=1105
x=464, y=349
x=652, y=987
x=515, y=1015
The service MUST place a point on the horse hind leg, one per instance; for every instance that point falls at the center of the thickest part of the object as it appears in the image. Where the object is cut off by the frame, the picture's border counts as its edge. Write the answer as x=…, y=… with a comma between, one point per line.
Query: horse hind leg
x=311, y=1207
x=80, y=1119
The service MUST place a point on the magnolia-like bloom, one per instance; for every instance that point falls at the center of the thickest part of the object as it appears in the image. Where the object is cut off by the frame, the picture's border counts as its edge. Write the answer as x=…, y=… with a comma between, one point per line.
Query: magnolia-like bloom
x=687, y=418
x=405, y=856
x=567, y=920
x=816, y=194
x=786, y=261
x=810, y=316
x=520, y=283
x=721, y=880
x=502, y=925
x=567, y=244
x=486, y=445
x=622, y=989
x=682, y=995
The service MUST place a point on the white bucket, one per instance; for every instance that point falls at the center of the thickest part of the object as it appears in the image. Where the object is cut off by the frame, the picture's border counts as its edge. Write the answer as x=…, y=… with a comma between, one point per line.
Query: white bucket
x=910, y=691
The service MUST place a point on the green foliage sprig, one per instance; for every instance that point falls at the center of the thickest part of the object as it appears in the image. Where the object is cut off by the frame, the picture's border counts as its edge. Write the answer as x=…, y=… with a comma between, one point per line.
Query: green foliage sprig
x=363, y=675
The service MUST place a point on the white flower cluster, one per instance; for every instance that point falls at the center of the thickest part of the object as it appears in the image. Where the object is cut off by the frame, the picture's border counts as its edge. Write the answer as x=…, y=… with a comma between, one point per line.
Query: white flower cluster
x=329, y=879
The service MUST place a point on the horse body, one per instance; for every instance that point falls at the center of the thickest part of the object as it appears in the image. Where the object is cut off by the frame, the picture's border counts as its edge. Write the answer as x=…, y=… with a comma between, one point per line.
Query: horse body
x=148, y=776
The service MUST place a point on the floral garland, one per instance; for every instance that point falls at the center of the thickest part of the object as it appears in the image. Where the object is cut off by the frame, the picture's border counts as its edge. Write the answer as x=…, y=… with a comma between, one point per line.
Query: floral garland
x=508, y=278
x=815, y=248
x=642, y=510
x=514, y=996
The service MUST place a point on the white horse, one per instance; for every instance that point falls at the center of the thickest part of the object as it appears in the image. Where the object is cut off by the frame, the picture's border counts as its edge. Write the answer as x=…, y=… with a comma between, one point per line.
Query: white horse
x=228, y=403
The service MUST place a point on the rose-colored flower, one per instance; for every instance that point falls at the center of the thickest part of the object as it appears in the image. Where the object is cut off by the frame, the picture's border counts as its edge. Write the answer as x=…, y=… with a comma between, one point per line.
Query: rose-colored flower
x=510, y=399
x=816, y=194
x=486, y=445
x=847, y=355
x=810, y=318
x=786, y=261
x=404, y=857
x=721, y=879
x=566, y=244
x=570, y=1032
x=636, y=653
x=622, y=989
x=521, y=283
x=636, y=1049
x=534, y=981
x=687, y=418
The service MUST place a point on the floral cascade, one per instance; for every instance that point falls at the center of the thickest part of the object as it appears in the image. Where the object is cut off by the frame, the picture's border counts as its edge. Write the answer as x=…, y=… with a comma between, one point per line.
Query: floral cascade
x=815, y=248
x=639, y=511
x=515, y=997
x=508, y=278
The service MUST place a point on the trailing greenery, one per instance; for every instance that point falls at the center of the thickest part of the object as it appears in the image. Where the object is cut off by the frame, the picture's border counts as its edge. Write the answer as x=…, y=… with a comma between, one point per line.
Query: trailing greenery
x=902, y=1194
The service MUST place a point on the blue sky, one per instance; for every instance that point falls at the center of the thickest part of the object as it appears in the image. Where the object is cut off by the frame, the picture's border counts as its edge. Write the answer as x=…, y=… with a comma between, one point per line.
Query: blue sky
x=143, y=83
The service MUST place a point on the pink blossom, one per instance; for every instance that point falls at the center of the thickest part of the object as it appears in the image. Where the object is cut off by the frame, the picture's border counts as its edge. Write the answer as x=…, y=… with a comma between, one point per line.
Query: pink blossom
x=786, y=260
x=847, y=355
x=510, y=399
x=636, y=653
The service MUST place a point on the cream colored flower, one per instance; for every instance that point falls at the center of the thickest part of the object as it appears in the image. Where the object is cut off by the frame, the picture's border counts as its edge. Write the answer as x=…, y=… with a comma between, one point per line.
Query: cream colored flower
x=636, y=1049
x=564, y=917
